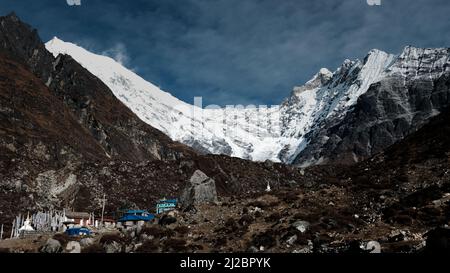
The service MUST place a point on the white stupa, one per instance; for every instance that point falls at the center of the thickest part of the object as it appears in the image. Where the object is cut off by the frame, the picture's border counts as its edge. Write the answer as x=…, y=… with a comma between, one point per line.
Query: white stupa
x=27, y=225
x=268, y=189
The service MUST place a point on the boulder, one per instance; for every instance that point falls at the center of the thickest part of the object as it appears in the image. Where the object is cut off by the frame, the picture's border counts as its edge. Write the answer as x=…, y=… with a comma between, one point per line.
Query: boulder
x=301, y=226
x=167, y=220
x=200, y=189
x=73, y=247
x=292, y=240
x=113, y=247
x=85, y=242
x=373, y=247
x=252, y=249
x=129, y=248
x=51, y=246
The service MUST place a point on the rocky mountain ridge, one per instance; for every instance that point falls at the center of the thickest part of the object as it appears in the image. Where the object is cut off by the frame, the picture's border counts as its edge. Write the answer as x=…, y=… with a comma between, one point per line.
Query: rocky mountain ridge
x=114, y=126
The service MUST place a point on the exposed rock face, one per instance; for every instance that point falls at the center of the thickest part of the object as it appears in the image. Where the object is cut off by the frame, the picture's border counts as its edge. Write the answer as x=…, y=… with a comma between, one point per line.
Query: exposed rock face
x=200, y=189
x=114, y=126
x=415, y=88
x=40, y=139
x=24, y=44
x=55, y=118
x=119, y=131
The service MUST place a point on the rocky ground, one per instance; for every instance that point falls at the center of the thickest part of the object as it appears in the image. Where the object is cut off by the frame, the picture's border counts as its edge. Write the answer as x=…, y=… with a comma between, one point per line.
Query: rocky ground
x=319, y=220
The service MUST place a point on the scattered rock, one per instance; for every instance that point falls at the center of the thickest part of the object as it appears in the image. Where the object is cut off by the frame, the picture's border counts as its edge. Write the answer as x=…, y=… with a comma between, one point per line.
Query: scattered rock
x=113, y=247
x=307, y=249
x=373, y=247
x=85, y=242
x=51, y=246
x=354, y=247
x=245, y=220
x=301, y=226
x=129, y=248
x=292, y=240
x=253, y=249
x=397, y=236
x=73, y=247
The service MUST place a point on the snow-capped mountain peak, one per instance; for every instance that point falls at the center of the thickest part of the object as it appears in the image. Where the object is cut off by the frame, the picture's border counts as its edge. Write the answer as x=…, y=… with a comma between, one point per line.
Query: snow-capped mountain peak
x=272, y=133
x=320, y=79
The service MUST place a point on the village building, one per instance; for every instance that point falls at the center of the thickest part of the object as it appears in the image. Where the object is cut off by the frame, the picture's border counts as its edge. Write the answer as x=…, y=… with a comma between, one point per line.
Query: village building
x=77, y=231
x=78, y=219
x=133, y=218
x=107, y=223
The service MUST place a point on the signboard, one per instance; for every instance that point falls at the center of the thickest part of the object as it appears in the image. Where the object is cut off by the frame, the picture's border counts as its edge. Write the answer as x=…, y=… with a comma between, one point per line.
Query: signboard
x=166, y=205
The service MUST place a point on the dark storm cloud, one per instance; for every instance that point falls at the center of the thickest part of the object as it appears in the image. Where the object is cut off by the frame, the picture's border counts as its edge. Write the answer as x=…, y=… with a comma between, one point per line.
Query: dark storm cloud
x=237, y=51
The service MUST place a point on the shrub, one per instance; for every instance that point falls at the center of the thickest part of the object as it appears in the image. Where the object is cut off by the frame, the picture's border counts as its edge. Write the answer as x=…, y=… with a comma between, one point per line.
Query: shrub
x=231, y=225
x=175, y=245
x=154, y=231
x=157, y=231
x=94, y=248
x=149, y=246
x=195, y=247
x=182, y=230
x=403, y=219
x=265, y=239
x=274, y=217
x=4, y=250
x=221, y=241
x=63, y=238
x=289, y=197
x=245, y=220
x=167, y=220
x=110, y=238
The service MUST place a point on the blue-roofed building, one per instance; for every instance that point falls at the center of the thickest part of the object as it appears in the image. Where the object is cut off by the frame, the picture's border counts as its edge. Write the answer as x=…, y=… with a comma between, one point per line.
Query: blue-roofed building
x=135, y=217
x=166, y=205
x=78, y=231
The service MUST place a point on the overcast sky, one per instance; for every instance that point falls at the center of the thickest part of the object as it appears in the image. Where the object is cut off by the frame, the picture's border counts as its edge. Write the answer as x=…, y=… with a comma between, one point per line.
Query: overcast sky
x=237, y=51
